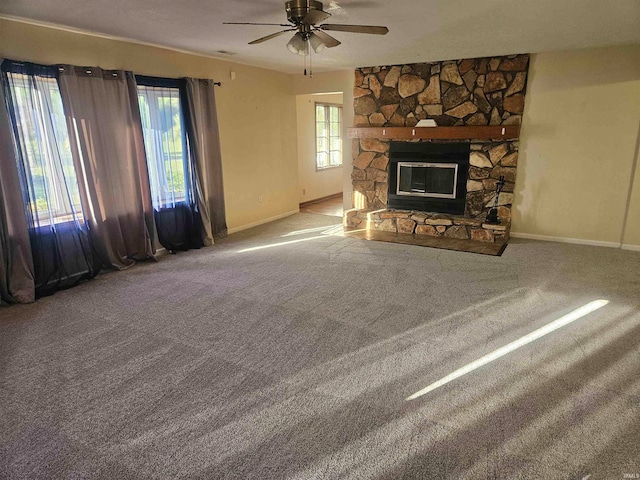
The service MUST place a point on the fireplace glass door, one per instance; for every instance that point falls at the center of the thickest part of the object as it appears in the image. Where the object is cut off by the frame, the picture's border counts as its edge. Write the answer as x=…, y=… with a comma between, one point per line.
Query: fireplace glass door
x=436, y=180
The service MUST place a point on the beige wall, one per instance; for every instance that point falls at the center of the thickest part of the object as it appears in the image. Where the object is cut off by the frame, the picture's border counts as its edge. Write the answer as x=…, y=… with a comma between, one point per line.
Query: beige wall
x=631, y=238
x=578, y=144
x=334, y=82
x=256, y=111
x=312, y=183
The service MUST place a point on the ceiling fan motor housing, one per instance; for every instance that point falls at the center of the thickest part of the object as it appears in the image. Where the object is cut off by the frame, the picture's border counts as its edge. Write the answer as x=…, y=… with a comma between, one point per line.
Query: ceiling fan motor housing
x=298, y=9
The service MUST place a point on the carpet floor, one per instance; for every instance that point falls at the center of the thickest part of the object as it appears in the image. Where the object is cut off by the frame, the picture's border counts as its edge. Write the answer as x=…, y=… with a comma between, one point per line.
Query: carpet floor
x=290, y=351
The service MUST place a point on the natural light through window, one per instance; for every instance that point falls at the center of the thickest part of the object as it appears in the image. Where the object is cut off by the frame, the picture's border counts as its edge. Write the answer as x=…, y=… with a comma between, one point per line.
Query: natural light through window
x=280, y=244
x=358, y=200
x=44, y=142
x=328, y=135
x=165, y=144
x=522, y=341
x=325, y=230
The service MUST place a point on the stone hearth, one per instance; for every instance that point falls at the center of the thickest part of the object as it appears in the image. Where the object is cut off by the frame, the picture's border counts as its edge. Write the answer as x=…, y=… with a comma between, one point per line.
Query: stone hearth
x=431, y=224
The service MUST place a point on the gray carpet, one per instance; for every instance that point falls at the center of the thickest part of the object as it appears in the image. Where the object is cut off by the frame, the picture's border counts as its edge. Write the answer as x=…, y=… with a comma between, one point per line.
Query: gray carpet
x=295, y=361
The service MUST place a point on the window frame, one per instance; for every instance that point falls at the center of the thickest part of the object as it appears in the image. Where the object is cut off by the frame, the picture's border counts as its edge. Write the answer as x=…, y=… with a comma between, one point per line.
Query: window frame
x=327, y=106
x=180, y=85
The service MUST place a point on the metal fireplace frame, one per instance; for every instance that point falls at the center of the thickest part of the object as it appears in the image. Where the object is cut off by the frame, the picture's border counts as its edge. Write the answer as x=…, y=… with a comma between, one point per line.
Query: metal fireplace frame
x=429, y=165
x=429, y=153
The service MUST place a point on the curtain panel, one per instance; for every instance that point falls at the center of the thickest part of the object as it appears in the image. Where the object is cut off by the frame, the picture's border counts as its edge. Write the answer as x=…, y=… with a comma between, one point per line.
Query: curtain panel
x=61, y=249
x=162, y=104
x=204, y=144
x=107, y=143
x=16, y=264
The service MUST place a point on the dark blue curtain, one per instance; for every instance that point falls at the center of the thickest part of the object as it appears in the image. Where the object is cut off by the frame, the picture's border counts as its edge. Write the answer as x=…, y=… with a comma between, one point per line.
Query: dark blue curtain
x=170, y=166
x=62, y=250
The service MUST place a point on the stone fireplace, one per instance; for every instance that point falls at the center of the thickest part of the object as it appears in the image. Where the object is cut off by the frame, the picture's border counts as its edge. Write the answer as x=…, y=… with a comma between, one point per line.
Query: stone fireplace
x=469, y=92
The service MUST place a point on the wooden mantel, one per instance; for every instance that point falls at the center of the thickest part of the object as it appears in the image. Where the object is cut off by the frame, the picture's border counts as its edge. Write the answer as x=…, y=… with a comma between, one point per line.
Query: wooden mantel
x=466, y=132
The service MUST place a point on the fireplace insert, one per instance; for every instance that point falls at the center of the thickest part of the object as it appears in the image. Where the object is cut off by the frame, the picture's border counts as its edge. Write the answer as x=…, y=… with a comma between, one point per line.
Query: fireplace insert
x=430, y=177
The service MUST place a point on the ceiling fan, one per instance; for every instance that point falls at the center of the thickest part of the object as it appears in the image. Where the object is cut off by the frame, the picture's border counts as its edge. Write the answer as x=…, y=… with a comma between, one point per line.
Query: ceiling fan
x=305, y=18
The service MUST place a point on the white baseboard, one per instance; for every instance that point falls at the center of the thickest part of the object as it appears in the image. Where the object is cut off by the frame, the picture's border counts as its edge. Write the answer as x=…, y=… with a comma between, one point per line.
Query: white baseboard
x=633, y=248
x=577, y=241
x=262, y=222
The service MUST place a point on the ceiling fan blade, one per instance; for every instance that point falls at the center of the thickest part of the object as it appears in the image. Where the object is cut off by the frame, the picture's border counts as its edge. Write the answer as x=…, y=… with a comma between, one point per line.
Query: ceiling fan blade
x=375, y=30
x=335, y=8
x=269, y=37
x=327, y=39
x=252, y=23
x=315, y=16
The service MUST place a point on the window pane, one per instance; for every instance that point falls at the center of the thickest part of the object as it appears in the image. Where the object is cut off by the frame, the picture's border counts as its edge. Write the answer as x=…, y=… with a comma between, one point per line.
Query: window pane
x=322, y=145
x=336, y=144
x=165, y=144
x=319, y=113
x=51, y=183
x=335, y=114
x=321, y=130
x=336, y=158
x=322, y=160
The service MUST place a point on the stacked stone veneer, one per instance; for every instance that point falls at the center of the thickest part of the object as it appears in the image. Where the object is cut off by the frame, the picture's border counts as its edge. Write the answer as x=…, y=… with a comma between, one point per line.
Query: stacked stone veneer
x=477, y=91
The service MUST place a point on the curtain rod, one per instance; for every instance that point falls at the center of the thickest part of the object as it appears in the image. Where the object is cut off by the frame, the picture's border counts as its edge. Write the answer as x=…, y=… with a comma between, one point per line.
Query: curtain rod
x=87, y=69
x=159, y=81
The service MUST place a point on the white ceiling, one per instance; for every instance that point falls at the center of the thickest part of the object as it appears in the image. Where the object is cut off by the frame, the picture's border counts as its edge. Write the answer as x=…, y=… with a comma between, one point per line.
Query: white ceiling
x=419, y=30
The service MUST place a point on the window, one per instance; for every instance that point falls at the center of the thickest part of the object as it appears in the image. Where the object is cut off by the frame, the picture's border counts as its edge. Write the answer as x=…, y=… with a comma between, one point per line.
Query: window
x=42, y=140
x=165, y=143
x=328, y=136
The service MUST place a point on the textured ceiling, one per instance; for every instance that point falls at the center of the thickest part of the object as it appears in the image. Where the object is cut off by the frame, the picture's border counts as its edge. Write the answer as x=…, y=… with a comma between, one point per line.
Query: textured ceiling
x=419, y=30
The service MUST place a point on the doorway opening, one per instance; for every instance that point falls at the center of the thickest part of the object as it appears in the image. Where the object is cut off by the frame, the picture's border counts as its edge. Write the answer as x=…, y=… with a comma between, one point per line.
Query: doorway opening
x=320, y=132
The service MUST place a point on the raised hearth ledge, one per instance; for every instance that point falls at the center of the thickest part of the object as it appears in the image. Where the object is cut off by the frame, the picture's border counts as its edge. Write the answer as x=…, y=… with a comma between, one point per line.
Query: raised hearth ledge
x=429, y=224
x=463, y=132
x=469, y=246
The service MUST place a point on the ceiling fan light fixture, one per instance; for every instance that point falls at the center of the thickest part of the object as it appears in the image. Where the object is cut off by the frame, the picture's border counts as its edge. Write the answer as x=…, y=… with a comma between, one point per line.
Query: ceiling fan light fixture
x=316, y=43
x=298, y=45
x=304, y=51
